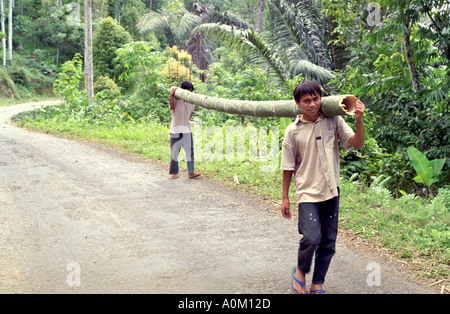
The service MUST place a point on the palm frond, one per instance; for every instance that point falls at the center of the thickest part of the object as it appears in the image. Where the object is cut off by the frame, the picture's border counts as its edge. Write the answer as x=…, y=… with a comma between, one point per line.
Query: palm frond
x=154, y=21
x=299, y=64
x=285, y=34
x=296, y=43
x=247, y=40
x=212, y=15
x=311, y=71
x=306, y=24
x=183, y=25
x=180, y=24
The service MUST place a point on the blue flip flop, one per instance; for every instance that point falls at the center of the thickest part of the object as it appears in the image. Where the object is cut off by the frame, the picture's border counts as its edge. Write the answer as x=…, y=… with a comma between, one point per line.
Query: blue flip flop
x=301, y=283
x=318, y=291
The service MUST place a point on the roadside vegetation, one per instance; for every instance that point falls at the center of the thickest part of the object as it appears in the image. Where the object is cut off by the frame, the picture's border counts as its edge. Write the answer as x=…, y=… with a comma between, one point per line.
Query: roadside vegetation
x=395, y=191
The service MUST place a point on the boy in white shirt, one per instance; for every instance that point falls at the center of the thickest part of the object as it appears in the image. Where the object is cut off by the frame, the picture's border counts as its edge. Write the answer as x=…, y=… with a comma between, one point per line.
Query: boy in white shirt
x=181, y=132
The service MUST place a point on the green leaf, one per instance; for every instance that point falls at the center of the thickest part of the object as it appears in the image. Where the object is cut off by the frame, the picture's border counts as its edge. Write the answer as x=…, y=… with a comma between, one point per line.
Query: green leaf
x=423, y=178
x=422, y=166
x=437, y=165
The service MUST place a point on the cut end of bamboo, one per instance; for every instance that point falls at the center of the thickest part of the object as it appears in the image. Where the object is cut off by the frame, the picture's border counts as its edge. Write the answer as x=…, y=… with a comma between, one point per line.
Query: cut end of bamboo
x=348, y=104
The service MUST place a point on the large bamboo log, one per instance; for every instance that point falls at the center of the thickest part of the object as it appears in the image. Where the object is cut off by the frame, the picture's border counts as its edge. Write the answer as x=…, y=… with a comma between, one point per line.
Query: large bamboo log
x=340, y=105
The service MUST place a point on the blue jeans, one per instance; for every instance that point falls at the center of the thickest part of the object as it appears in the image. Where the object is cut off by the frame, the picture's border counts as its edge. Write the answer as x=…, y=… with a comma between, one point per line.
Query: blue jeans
x=177, y=141
x=318, y=223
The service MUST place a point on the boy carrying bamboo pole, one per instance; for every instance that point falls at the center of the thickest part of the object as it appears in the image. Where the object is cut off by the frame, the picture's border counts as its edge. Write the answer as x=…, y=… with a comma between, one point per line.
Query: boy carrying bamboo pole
x=181, y=133
x=310, y=152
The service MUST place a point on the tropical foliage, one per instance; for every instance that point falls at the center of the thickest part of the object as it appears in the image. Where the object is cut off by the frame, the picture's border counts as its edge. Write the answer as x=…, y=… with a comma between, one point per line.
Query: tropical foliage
x=108, y=38
x=393, y=55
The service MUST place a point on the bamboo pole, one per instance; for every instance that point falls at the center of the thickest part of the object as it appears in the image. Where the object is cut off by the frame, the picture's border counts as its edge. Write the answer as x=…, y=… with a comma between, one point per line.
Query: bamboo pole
x=340, y=105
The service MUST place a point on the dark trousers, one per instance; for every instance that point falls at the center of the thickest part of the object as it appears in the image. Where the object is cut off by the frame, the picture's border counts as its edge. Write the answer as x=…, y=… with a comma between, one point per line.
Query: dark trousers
x=177, y=141
x=318, y=223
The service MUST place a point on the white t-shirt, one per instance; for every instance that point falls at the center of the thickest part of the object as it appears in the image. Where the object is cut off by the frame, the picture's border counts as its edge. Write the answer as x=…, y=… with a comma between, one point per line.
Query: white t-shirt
x=180, y=117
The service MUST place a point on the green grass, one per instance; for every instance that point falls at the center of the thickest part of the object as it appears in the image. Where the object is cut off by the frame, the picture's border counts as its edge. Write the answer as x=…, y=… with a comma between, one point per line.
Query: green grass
x=415, y=230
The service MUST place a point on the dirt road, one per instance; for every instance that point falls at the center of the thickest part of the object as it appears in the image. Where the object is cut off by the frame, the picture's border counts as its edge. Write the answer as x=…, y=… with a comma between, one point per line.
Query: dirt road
x=76, y=217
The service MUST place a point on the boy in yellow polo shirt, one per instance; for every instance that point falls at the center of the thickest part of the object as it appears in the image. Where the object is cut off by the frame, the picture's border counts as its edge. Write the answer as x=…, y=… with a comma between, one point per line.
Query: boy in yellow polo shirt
x=311, y=153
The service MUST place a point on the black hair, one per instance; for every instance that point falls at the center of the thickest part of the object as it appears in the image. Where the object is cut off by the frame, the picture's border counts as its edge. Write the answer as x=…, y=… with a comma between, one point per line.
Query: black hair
x=307, y=87
x=187, y=85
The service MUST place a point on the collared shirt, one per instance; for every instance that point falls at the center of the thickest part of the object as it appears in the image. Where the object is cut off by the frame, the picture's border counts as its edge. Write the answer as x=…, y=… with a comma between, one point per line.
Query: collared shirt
x=311, y=150
x=180, y=117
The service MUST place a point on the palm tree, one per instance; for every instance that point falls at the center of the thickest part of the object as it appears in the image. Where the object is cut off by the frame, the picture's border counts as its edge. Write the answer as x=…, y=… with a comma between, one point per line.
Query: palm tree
x=309, y=28
x=248, y=42
x=295, y=46
x=299, y=28
x=178, y=24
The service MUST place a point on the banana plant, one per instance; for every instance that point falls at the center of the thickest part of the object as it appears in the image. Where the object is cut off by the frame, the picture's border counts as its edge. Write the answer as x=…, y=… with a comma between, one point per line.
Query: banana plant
x=428, y=171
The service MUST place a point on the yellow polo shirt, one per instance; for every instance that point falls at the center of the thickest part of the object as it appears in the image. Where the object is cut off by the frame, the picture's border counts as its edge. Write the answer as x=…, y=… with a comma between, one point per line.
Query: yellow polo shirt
x=311, y=150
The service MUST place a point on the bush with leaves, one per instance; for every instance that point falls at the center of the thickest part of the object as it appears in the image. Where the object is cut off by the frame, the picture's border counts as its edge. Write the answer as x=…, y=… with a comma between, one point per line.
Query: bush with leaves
x=106, y=88
x=143, y=80
x=108, y=37
x=68, y=83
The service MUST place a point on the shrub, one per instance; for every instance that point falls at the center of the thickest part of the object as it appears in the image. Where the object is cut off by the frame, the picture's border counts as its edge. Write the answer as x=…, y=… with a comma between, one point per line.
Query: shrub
x=7, y=86
x=106, y=89
x=108, y=37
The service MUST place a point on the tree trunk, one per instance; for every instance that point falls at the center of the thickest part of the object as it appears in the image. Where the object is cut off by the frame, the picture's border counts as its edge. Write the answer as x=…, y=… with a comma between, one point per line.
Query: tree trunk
x=117, y=5
x=412, y=67
x=196, y=8
x=10, y=31
x=337, y=50
x=331, y=106
x=409, y=58
x=260, y=21
x=88, y=61
x=2, y=9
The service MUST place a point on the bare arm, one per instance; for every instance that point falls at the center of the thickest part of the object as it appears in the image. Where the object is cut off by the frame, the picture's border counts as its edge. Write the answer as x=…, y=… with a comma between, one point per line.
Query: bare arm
x=285, y=204
x=172, y=98
x=357, y=140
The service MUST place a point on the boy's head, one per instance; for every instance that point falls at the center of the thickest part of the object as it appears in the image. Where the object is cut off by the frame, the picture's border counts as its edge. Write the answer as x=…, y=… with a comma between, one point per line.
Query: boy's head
x=307, y=88
x=187, y=85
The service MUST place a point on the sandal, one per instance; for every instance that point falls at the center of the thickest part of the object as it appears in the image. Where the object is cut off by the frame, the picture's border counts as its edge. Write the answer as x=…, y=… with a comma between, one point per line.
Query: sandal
x=301, y=283
x=318, y=291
